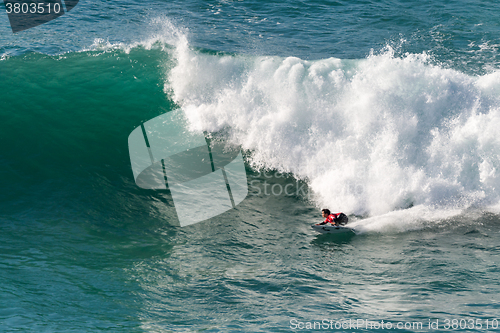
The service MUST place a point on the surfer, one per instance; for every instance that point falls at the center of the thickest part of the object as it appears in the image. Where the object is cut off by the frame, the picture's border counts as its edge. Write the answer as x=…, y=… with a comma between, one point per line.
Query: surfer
x=334, y=219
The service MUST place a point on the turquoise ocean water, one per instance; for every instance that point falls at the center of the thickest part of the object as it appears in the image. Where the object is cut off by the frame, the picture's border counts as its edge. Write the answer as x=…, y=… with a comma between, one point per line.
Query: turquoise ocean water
x=386, y=110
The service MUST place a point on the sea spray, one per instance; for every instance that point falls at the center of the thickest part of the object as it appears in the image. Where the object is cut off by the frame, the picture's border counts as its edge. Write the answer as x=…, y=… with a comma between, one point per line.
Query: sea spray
x=370, y=136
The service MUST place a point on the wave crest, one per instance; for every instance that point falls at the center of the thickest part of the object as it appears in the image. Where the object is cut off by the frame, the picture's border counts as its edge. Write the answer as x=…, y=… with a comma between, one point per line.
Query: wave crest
x=370, y=136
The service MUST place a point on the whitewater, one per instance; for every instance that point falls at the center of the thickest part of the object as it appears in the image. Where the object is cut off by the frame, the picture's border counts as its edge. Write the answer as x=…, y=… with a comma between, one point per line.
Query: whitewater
x=369, y=136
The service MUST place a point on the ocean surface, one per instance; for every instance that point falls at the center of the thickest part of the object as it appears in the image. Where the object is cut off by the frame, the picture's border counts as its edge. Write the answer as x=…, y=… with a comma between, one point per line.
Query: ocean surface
x=386, y=110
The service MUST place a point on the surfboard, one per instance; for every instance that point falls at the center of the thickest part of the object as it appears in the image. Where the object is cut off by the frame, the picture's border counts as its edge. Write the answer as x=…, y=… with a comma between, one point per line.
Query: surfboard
x=332, y=229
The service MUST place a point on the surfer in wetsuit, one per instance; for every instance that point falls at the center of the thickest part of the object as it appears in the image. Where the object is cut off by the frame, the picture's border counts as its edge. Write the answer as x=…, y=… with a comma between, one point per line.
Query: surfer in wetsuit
x=334, y=219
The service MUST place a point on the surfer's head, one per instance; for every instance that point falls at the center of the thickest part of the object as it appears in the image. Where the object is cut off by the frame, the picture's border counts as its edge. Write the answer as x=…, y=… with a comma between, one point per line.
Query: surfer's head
x=325, y=212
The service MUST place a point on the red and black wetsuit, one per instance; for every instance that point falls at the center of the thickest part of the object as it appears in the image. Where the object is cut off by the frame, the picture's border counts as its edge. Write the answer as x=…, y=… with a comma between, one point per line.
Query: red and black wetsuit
x=330, y=219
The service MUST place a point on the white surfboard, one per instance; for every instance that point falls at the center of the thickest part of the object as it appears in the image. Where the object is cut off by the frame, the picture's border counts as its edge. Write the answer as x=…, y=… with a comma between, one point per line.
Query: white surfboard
x=332, y=229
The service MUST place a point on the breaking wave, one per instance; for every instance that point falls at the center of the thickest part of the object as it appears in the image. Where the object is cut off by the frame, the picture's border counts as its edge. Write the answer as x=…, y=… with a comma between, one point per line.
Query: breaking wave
x=370, y=136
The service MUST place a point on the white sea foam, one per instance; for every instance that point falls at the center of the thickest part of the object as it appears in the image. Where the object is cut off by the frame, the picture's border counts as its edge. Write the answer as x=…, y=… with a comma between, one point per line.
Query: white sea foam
x=163, y=34
x=371, y=136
